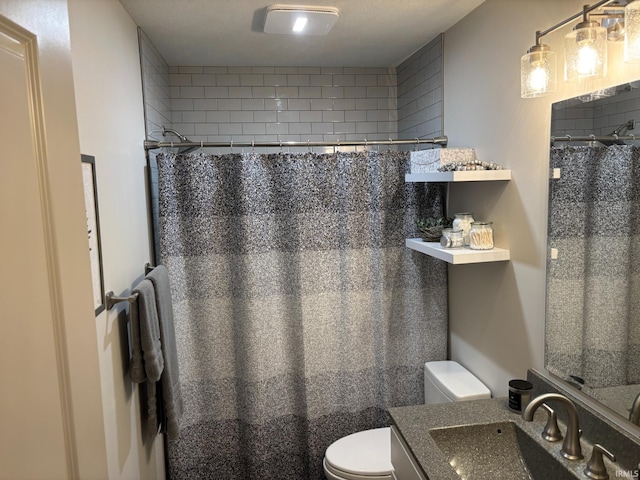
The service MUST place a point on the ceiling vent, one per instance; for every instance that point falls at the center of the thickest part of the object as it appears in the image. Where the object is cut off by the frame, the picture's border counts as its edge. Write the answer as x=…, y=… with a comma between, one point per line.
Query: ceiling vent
x=300, y=20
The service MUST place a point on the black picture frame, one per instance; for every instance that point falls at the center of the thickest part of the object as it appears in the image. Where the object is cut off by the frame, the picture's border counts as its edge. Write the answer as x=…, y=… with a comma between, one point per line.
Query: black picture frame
x=88, y=164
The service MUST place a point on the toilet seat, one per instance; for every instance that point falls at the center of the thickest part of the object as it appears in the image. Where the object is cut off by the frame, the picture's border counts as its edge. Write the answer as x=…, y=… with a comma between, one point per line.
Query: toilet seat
x=361, y=455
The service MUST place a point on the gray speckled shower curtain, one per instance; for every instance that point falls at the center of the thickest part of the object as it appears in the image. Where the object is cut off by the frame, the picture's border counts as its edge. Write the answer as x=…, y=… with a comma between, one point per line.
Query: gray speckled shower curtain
x=593, y=308
x=300, y=314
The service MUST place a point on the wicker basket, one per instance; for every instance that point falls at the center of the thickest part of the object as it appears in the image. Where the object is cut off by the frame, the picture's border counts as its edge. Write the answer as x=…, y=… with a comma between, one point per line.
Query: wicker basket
x=430, y=229
x=431, y=234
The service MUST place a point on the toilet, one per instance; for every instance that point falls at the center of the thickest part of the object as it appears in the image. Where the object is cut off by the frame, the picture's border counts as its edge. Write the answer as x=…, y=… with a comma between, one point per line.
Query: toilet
x=367, y=455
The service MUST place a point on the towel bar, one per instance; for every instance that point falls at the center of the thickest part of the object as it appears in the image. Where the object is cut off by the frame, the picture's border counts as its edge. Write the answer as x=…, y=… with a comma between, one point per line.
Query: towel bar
x=112, y=299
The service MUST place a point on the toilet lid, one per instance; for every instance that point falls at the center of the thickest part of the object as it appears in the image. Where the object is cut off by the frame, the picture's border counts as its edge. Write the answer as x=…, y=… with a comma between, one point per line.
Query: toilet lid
x=362, y=453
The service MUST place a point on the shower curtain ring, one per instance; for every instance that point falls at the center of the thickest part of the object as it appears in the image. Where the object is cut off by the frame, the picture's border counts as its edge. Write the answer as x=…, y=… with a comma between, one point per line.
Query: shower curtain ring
x=309, y=146
x=171, y=144
x=415, y=146
x=633, y=137
x=253, y=145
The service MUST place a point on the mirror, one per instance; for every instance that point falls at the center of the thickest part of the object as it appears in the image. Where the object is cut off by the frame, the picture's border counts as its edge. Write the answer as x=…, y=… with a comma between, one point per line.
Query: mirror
x=593, y=267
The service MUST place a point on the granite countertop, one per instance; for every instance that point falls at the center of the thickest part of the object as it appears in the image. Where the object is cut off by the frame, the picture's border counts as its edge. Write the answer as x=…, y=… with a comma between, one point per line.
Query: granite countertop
x=414, y=423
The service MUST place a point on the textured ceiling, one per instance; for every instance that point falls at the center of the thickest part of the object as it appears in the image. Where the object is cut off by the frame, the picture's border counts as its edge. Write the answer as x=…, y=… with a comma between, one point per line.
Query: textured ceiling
x=368, y=33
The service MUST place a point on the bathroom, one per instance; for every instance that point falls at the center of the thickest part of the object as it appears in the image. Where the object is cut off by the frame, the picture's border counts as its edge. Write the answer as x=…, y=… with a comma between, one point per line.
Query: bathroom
x=496, y=311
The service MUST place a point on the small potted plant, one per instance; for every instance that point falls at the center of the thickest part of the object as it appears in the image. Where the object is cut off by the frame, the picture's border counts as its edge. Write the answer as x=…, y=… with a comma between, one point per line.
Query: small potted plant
x=430, y=229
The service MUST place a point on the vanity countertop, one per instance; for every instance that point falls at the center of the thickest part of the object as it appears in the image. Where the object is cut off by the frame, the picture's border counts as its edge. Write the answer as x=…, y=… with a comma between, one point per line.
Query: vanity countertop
x=414, y=423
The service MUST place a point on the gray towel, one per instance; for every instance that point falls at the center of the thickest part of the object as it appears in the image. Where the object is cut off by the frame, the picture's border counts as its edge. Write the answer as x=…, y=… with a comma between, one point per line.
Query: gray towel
x=171, y=393
x=147, y=362
x=136, y=370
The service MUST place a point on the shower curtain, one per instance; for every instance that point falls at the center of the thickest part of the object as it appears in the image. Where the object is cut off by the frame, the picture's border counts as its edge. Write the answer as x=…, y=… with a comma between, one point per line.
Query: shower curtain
x=593, y=288
x=300, y=314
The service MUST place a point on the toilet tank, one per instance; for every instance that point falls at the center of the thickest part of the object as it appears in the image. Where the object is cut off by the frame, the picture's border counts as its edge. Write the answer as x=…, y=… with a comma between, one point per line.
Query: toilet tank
x=448, y=381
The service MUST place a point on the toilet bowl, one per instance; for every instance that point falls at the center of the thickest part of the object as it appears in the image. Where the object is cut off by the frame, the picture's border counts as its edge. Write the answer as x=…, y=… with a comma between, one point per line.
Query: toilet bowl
x=366, y=455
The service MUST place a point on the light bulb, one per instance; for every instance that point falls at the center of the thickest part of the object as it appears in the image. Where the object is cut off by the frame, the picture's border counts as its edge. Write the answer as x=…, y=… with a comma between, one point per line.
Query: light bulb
x=587, y=61
x=537, y=72
x=585, y=52
x=538, y=79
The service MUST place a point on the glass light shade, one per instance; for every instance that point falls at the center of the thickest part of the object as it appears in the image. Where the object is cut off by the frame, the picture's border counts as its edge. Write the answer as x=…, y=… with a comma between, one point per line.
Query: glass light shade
x=585, y=52
x=632, y=36
x=538, y=72
x=614, y=23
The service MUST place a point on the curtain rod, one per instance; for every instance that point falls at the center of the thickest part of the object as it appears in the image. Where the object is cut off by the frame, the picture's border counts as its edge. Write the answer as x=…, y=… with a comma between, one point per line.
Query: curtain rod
x=594, y=138
x=442, y=141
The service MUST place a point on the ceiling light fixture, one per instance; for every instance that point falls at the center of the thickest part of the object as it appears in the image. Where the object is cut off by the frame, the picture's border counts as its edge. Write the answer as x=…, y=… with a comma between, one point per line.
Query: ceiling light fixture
x=300, y=20
x=585, y=52
x=300, y=24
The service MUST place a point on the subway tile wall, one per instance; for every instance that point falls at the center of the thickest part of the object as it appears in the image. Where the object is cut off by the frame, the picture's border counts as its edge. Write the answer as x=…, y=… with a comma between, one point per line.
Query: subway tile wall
x=280, y=104
x=157, y=113
x=420, y=85
x=611, y=112
x=576, y=120
x=155, y=87
x=295, y=103
x=600, y=117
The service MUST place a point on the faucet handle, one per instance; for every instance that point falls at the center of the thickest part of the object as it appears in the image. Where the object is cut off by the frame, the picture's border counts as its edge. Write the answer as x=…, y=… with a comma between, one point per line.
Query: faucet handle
x=596, y=468
x=551, y=432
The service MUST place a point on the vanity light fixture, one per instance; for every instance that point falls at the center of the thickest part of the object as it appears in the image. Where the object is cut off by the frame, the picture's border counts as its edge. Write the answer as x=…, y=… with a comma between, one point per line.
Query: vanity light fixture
x=299, y=19
x=585, y=51
x=632, y=33
x=538, y=71
x=585, y=47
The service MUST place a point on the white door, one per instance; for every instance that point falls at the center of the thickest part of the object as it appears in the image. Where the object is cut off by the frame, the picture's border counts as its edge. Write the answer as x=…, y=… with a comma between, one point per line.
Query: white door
x=33, y=434
x=48, y=428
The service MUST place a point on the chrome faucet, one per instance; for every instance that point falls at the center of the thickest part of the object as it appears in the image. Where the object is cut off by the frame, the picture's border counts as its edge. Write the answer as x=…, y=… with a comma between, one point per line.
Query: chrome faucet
x=571, y=448
x=634, y=415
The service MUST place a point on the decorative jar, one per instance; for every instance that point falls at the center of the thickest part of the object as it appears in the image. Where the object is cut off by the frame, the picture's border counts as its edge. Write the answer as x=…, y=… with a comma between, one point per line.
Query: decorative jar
x=481, y=236
x=462, y=221
x=451, y=238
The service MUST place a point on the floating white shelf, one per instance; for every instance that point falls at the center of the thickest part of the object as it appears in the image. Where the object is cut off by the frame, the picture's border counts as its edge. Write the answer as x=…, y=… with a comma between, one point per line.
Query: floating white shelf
x=467, y=176
x=458, y=256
